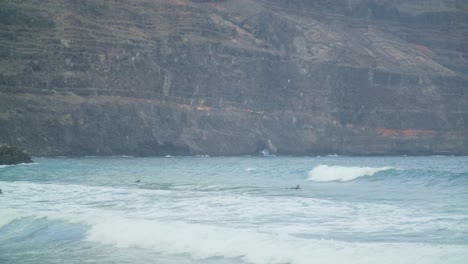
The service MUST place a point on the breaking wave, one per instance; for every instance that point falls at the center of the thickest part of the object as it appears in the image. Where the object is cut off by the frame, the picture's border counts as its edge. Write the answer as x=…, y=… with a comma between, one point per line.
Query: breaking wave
x=201, y=241
x=251, y=246
x=325, y=173
x=19, y=164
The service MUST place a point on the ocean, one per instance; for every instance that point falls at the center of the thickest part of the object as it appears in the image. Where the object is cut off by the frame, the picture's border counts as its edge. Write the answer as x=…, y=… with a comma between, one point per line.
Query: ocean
x=215, y=210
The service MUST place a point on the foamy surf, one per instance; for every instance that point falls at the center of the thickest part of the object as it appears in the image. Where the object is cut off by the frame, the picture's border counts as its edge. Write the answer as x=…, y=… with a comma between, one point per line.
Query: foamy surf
x=8, y=216
x=325, y=173
x=19, y=164
x=252, y=246
x=188, y=211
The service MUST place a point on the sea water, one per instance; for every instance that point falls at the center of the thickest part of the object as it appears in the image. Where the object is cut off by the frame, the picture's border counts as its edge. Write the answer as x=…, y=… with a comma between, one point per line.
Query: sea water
x=235, y=210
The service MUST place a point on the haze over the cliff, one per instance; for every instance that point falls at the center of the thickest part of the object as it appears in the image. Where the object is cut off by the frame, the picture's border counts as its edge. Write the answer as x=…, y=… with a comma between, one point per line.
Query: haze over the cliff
x=233, y=77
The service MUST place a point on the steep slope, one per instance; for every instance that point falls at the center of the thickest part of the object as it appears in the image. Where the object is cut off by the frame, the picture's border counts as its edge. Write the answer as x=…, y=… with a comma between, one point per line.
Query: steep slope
x=233, y=77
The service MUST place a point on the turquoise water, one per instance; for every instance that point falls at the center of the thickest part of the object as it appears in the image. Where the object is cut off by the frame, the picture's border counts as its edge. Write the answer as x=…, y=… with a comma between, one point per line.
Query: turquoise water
x=235, y=210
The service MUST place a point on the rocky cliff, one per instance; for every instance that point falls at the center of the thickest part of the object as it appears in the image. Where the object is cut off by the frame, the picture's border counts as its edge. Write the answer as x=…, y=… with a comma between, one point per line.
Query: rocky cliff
x=233, y=77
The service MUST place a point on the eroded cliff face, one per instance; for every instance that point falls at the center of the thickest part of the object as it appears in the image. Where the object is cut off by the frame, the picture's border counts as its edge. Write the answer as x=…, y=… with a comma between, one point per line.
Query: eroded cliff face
x=233, y=77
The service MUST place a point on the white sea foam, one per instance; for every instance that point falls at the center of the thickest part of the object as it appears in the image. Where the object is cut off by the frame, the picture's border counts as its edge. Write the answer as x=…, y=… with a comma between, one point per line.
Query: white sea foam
x=253, y=229
x=253, y=246
x=325, y=173
x=9, y=215
x=19, y=164
x=248, y=244
x=205, y=204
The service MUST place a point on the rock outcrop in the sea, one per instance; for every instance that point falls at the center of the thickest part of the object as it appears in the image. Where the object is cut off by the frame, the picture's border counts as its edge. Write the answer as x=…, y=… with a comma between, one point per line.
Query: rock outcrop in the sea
x=232, y=77
x=12, y=155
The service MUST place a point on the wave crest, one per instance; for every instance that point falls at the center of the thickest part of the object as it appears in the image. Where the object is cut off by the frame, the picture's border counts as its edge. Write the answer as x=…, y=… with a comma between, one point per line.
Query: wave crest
x=325, y=173
x=253, y=246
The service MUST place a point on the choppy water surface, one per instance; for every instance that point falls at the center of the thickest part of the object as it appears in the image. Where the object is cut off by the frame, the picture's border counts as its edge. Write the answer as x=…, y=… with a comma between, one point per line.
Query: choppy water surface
x=235, y=210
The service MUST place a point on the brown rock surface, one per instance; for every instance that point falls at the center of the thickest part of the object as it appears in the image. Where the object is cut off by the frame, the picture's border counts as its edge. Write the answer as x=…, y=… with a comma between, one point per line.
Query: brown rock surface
x=233, y=77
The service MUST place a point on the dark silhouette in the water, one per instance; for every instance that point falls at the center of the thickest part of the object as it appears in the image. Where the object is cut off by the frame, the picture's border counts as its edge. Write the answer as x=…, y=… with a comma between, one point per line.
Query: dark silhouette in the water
x=0, y=191
x=295, y=188
x=137, y=181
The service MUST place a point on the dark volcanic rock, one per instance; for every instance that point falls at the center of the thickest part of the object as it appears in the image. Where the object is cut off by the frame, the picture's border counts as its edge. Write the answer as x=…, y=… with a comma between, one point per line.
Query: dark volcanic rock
x=232, y=77
x=13, y=155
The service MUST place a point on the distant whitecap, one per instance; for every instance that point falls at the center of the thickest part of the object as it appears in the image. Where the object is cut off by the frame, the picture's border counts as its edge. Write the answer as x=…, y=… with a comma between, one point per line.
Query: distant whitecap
x=325, y=173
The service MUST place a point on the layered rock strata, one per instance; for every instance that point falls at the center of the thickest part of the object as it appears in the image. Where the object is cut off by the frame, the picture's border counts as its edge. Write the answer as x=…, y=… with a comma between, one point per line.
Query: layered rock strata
x=234, y=77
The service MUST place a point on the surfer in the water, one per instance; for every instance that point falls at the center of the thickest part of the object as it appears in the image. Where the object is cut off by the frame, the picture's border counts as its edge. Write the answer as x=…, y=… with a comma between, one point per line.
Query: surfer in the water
x=137, y=181
x=295, y=188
